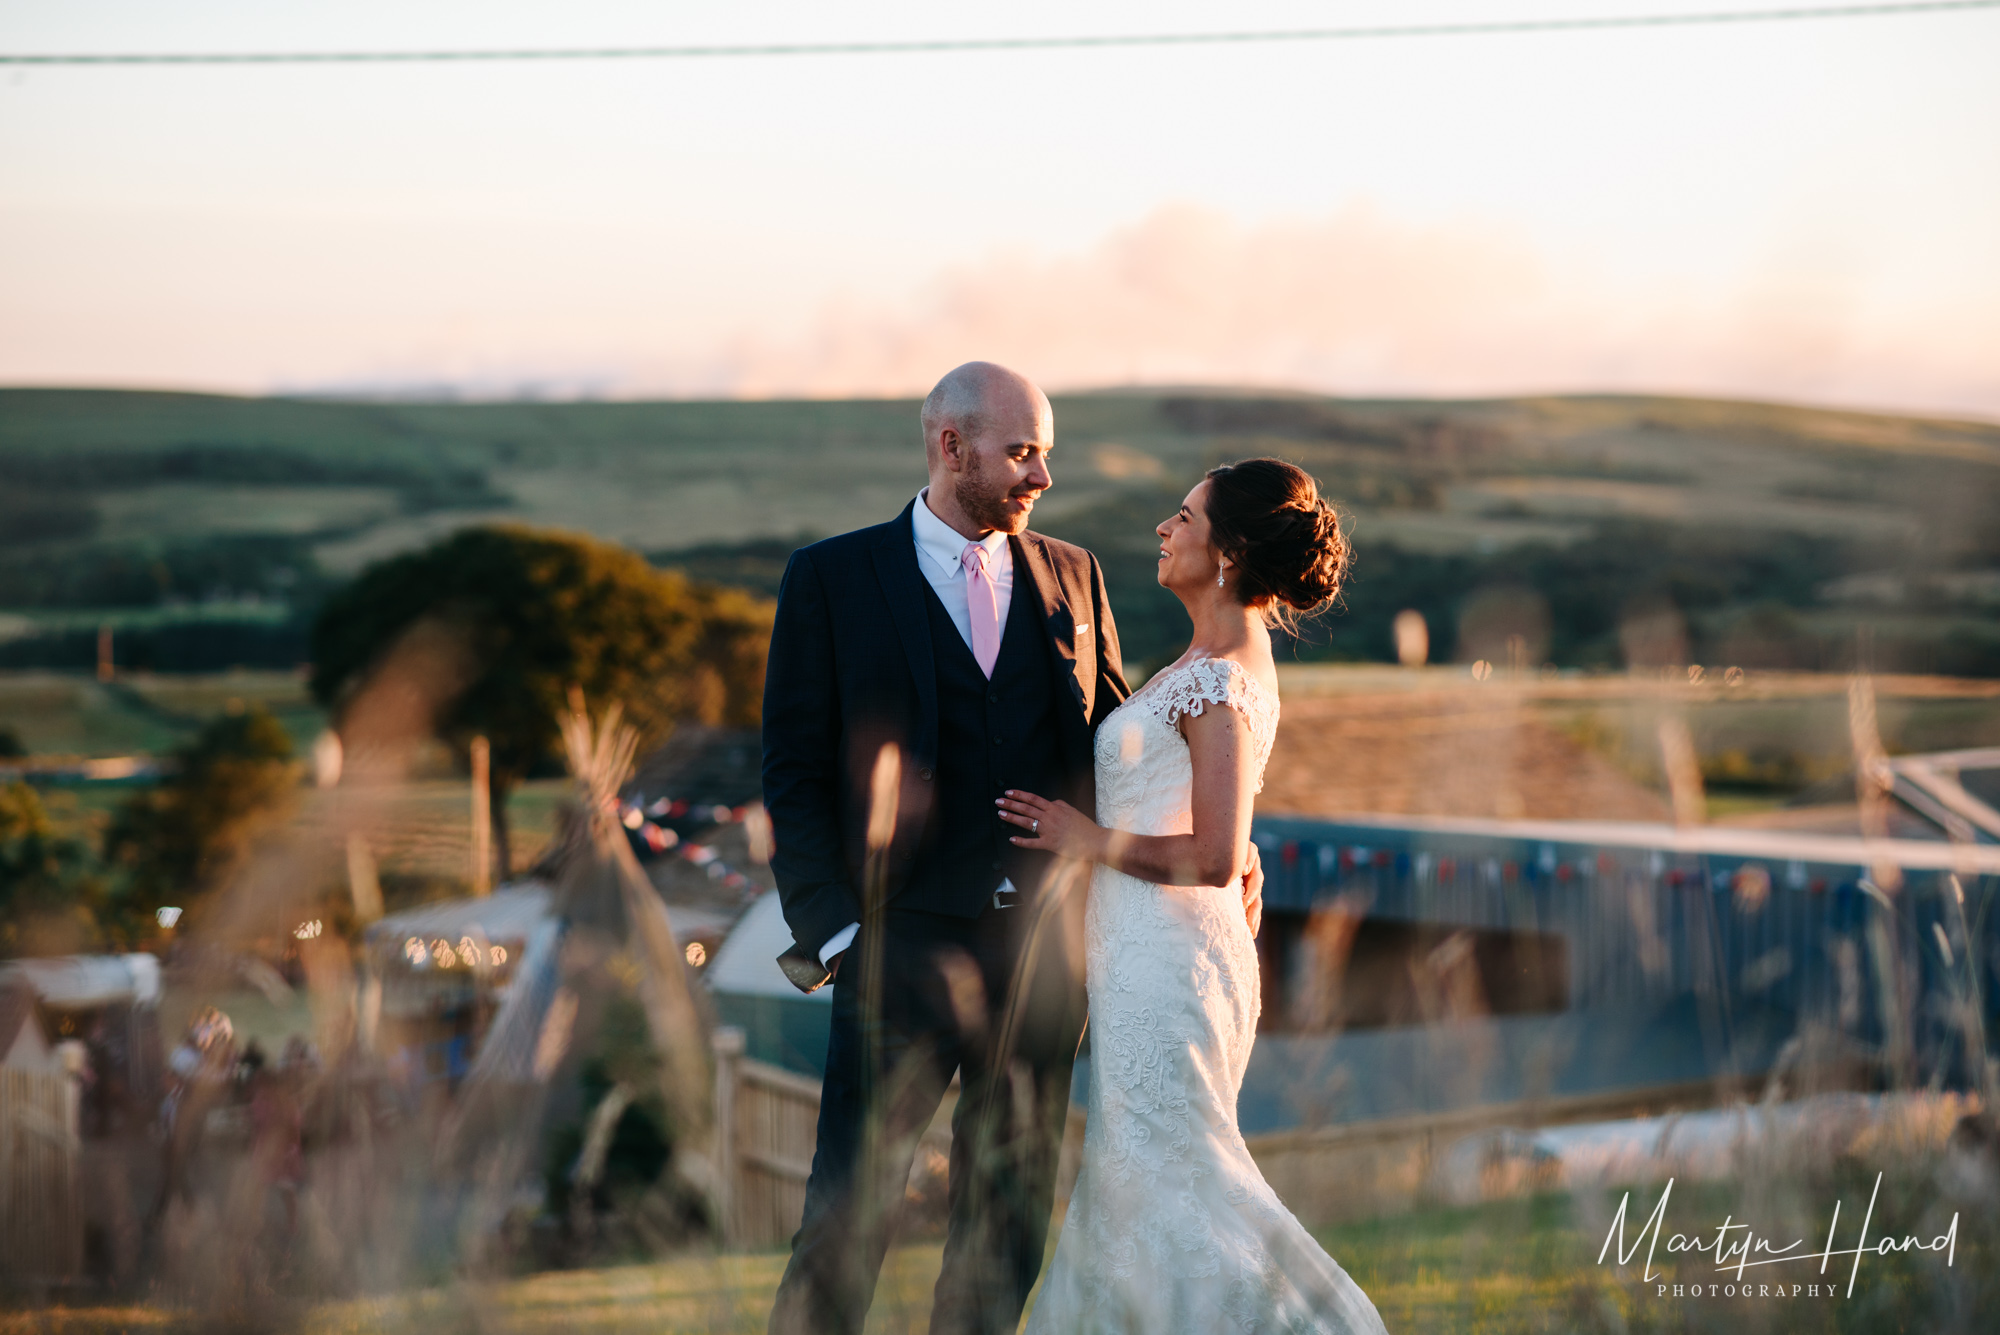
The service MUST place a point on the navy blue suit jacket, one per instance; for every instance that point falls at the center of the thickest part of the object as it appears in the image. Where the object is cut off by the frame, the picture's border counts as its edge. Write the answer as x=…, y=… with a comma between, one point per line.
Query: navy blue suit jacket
x=851, y=669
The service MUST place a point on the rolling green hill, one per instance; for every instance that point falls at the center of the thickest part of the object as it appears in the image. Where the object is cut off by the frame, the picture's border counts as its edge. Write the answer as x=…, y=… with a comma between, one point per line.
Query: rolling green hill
x=207, y=527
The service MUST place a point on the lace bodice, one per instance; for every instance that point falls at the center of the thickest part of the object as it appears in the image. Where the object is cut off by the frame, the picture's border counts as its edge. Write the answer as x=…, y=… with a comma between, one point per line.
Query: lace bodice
x=1171, y=1227
x=1145, y=776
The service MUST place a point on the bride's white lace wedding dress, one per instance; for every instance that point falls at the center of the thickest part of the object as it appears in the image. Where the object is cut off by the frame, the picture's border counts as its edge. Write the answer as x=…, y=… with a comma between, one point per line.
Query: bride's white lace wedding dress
x=1171, y=1227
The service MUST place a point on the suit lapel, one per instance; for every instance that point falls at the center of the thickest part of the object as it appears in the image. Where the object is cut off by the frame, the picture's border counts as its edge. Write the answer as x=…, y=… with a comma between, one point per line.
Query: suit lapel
x=1067, y=639
x=903, y=588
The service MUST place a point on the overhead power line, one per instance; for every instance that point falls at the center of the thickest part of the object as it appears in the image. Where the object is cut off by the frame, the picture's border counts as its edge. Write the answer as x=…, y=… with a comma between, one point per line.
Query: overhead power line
x=745, y=50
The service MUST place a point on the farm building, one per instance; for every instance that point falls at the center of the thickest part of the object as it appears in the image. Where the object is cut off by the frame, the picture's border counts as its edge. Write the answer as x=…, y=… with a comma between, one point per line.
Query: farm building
x=1415, y=966
x=1421, y=965
x=116, y=996
x=443, y=970
x=80, y=1074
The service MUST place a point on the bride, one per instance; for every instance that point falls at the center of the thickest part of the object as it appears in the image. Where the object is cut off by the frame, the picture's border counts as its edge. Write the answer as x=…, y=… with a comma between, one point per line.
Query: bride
x=1171, y=1227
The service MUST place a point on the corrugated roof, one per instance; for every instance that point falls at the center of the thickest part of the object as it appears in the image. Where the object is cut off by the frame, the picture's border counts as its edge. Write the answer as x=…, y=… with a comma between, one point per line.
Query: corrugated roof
x=89, y=980
x=1714, y=840
x=513, y=912
x=508, y=914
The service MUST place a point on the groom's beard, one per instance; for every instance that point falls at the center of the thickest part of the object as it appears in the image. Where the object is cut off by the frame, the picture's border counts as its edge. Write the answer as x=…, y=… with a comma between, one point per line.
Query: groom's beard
x=975, y=496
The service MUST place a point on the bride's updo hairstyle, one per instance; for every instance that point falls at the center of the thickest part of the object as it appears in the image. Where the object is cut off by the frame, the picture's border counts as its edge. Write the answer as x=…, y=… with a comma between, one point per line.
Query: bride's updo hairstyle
x=1268, y=518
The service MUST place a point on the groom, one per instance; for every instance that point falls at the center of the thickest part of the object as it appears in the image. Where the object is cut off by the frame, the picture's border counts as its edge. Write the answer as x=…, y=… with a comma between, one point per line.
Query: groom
x=985, y=655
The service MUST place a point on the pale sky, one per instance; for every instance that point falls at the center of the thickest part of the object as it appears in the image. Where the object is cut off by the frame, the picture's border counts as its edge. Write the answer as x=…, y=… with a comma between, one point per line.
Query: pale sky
x=1794, y=210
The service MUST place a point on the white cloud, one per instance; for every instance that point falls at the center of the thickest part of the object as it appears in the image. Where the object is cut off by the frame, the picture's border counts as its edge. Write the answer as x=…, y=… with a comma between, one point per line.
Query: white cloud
x=1357, y=303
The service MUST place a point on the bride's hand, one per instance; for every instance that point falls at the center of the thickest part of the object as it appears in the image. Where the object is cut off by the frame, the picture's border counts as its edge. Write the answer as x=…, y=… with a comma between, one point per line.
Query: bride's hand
x=1052, y=827
x=1253, y=889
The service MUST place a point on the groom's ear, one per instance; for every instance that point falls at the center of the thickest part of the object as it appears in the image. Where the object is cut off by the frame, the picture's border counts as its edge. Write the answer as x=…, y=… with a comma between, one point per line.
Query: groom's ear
x=951, y=448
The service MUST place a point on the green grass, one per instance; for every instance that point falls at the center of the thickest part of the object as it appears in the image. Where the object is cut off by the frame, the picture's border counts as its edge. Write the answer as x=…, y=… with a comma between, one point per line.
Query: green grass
x=653, y=475
x=28, y=621
x=1525, y=1266
x=422, y=831
x=70, y=714
x=252, y=1015
x=1744, y=516
x=1761, y=749
x=1432, y=474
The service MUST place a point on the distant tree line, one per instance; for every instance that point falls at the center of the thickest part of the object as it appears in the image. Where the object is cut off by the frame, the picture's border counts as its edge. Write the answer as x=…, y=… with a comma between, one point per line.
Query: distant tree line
x=428, y=485
x=201, y=644
x=133, y=574
x=1743, y=595
x=54, y=555
x=127, y=576
x=31, y=516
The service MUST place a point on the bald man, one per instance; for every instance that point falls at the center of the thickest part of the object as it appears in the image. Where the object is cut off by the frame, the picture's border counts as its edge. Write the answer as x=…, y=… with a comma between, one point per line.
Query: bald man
x=985, y=655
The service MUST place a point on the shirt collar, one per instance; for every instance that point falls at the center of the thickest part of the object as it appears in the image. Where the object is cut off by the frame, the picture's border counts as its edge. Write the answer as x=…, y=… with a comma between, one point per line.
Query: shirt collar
x=941, y=542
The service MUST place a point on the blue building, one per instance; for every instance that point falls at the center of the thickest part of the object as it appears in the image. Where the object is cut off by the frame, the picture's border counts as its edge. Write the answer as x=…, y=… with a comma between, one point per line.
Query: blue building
x=1417, y=966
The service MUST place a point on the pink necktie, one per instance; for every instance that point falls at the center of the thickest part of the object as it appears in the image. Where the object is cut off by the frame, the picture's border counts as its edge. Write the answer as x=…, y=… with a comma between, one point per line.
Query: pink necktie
x=983, y=601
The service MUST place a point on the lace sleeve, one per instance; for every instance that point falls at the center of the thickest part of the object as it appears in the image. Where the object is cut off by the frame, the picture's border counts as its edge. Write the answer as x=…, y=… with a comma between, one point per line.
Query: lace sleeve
x=1205, y=682
x=1220, y=681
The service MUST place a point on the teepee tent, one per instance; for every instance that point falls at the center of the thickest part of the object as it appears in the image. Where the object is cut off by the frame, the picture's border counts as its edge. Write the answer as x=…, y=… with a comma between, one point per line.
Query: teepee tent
x=611, y=945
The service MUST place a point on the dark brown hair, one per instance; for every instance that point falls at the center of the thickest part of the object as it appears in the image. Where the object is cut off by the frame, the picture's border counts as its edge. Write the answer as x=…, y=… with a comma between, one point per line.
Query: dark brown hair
x=1269, y=518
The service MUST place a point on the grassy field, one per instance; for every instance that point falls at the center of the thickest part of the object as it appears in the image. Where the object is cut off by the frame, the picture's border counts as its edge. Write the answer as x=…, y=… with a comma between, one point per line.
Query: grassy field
x=1525, y=1266
x=1449, y=474
x=57, y=713
x=1763, y=536
x=1761, y=742
x=1777, y=735
x=1755, y=520
x=421, y=838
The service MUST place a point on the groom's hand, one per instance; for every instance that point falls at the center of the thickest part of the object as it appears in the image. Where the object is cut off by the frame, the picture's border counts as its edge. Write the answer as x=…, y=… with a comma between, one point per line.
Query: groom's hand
x=1253, y=890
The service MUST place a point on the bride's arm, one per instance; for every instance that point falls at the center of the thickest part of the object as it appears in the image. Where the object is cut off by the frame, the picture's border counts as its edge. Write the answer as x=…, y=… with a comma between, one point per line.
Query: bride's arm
x=1215, y=854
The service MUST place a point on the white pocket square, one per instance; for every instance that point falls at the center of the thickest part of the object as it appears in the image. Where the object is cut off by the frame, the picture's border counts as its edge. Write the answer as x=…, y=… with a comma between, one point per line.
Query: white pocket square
x=1082, y=629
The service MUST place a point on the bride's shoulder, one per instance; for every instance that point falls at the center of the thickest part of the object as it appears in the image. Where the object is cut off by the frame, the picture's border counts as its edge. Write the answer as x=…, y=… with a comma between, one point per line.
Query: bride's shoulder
x=1219, y=681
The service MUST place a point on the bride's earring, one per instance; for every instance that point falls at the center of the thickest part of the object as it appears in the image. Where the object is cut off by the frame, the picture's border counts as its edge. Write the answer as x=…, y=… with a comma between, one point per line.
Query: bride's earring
x=1218, y=577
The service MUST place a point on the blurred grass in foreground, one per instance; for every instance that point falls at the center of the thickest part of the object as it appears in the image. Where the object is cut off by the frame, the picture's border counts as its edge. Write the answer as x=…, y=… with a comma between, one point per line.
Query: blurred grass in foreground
x=1511, y=1267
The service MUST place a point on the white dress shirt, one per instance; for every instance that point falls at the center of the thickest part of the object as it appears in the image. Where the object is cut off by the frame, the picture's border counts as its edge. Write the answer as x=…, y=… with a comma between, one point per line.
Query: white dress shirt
x=940, y=549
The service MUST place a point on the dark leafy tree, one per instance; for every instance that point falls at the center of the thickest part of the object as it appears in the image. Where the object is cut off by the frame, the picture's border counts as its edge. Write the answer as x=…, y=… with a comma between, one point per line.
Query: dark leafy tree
x=47, y=879
x=185, y=836
x=535, y=614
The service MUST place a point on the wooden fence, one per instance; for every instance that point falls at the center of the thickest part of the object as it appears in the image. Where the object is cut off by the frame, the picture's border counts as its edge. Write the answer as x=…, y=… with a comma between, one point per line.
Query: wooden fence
x=766, y=1127
x=41, y=1208
x=1361, y=1170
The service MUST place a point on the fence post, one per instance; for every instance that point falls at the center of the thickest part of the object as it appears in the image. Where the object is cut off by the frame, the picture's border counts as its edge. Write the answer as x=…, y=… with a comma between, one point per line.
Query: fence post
x=72, y=1099
x=8, y=1094
x=729, y=1043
